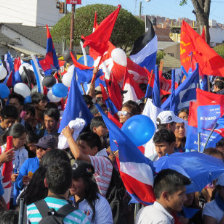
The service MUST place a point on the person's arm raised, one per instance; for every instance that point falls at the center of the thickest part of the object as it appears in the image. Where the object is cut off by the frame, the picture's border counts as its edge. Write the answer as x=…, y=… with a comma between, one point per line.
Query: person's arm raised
x=77, y=153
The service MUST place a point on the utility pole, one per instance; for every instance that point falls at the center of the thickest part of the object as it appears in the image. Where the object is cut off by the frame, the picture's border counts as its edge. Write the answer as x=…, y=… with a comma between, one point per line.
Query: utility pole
x=140, y=9
x=72, y=27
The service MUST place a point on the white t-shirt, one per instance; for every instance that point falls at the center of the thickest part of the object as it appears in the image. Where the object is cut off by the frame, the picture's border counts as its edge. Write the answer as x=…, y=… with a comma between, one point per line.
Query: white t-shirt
x=103, y=213
x=212, y=209
x=154, y=214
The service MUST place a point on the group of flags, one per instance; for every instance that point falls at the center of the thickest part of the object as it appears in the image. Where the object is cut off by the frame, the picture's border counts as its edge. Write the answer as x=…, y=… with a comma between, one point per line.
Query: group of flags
x=136, y=170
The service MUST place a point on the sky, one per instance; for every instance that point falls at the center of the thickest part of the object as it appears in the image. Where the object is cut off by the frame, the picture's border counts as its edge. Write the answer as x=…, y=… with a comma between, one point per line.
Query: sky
x=166, y=8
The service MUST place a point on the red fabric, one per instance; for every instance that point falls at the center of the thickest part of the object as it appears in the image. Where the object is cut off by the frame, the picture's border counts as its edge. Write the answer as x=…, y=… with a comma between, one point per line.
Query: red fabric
x=17, y=63
x=115, y=119
x=98, y=40
x=95, y=21
x=193, y=48
x=77, y=64
x=104, y=93
x=9, y=81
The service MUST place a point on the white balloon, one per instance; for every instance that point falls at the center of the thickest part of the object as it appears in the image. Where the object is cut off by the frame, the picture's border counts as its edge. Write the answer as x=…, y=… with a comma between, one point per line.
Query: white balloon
x=52, y=97
x=3, y=72
x=119, y=56
x=71, y=69
x=67, y=79
x=22, y=89
x=26, y=65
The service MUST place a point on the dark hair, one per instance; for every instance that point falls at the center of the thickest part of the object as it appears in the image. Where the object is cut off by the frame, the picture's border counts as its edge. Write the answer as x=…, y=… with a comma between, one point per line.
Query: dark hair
x=31, y=138
x=9, y=111
x=53, y=156
x=88, y=100
x=220, y=143
x=51, y=105
x=91, y=188
x=219, y=84
x=17, y=130
x=36, y=189
x=30, y=109
x=53, y=113
x=164, y=135
x=133, y=106
x=186, y=110
x=213, y=151
x=19, y=97
x=170, y=181
x=37, y=97
x=96, y=122
x=9, y=217
x=91, y=139
x=59, y=177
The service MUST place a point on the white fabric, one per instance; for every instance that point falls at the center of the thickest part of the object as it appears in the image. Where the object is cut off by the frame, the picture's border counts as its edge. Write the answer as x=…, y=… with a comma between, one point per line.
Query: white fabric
x=103, y=214
x=77, y=125
x=154, y=214
x=152, y=112
x=212, y=209
x=130, y=95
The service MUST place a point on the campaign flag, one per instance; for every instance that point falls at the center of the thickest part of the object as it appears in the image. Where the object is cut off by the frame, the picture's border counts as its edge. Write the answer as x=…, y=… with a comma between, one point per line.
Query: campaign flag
x=75, y=107
x=133, y=90
x=185, y=92
x=76, y=2
x=135, y=169
x=200, y=168
x=50, y=62
x=6, y=173
x=156, y=89
x=145, y=48
x=193, y=48
x=17, y=77
x=98, y=40
x=38, y=76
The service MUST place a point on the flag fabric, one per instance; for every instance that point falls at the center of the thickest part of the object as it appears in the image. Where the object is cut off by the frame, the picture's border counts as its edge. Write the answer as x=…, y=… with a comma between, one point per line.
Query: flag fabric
x=145, y=48
x=172, y=96
x=193, y=48
x=6, y=173
x=98, y=40
x=133, y=90
x=17, y=77
x=110, y=105
x=200, y=168
x=156, y=89
x=75, y=107
x=185, y=92
x=135, y=169
x=50, y=62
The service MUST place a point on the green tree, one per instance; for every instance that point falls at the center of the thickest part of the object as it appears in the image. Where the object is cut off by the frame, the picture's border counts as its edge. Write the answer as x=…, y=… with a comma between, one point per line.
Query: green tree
x=201, y=11
x=126, y=30
x=220, y=50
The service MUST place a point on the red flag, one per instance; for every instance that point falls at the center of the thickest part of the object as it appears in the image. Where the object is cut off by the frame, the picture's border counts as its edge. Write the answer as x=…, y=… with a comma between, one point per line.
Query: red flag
x=98, y=40
x=193, y=48
x=6, y=173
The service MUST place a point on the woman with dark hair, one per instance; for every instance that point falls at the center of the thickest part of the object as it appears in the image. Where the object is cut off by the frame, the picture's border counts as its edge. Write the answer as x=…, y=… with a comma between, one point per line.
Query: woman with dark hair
x=85, y=194
x=129, y=109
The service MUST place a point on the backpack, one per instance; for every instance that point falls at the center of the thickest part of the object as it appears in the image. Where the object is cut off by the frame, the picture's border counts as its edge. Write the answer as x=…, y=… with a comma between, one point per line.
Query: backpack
x=117, y=198
x=50, y=216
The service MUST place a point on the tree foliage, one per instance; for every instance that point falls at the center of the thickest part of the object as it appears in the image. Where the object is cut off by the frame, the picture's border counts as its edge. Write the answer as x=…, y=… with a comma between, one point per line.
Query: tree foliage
x=220, y=50
x=126, y=30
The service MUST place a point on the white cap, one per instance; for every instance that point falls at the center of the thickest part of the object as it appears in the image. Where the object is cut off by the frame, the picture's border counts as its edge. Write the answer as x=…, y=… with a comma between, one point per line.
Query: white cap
x=220, y=180
x=166, y=117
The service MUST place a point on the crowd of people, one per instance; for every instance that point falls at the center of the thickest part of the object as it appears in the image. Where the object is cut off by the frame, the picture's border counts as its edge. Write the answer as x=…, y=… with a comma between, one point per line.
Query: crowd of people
x=81, y=183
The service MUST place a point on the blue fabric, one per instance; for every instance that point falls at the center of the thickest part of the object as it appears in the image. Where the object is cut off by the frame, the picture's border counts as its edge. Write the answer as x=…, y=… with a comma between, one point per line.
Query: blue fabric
x=202, y=169
x=30, y=165
x=156, y=89
x=75, y=107
x=1, y=189
x=185, y=92
x=219, y=201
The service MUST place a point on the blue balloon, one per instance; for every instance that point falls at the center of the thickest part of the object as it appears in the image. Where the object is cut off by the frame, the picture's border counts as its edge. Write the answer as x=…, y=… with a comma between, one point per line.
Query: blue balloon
x=60, y=90
x=139, y=129
x=90, y=60
x=4, y=91
x=28, y=100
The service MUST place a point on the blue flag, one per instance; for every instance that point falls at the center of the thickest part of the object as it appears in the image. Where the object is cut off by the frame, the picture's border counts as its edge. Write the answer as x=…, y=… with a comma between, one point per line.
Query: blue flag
x=75, y=107
x=185, y=92
x=156, y=89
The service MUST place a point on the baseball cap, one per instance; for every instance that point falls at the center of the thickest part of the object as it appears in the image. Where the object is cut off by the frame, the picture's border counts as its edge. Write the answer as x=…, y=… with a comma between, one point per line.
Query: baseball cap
x=166, y=117
x=220, y=181
x=48, y=141
x=82, y=169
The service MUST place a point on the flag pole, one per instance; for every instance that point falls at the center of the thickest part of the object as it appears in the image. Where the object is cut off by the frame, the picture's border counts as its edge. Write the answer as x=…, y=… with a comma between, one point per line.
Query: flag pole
x=210, y=134
x=199, y=141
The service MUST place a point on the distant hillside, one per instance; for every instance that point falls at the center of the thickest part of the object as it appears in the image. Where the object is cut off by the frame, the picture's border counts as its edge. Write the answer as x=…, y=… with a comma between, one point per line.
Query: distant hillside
x=220, y=50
